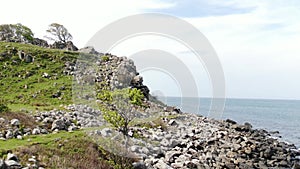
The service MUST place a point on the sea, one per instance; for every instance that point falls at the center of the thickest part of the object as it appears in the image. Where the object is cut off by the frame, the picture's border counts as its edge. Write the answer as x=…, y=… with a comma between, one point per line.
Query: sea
x=271, y=115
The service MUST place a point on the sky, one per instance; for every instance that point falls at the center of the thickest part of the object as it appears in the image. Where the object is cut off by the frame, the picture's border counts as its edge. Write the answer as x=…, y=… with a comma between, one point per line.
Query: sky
x=257, y=41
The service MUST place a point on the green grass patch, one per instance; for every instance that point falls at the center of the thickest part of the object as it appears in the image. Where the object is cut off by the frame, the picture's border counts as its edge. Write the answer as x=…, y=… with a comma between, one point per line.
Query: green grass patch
x=22, y=85
x=46, y=139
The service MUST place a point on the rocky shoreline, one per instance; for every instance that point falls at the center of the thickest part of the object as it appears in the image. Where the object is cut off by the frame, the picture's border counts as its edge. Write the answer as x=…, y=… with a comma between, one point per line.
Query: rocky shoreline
x=182, y=140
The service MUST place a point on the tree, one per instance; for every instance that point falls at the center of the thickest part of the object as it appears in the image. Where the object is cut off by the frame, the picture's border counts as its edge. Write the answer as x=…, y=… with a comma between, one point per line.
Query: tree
x=24, y=33
x=124, y=103
x=16, y=33
x=58, y=33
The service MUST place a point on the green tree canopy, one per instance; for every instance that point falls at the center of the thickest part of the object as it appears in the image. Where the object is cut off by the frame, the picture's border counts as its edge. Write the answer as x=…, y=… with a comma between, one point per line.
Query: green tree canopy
x=15, y=33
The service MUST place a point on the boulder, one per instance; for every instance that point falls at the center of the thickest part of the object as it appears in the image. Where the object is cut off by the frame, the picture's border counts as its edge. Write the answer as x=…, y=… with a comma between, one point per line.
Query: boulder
x=21, y=54
x=11, y=164
x=36, y=131
x=15, y=122
x=139, y=165
x=89, y=50
x=64, y=46
x=59, y=125
x=106, y=132
x=162, y=165
x=137, y=81
x=40, y=42
x=230, y=121
x=9, y=134
x=28, y=58
x=296, y=166
x=3, y=165
x=125, y=72
x=11, y=156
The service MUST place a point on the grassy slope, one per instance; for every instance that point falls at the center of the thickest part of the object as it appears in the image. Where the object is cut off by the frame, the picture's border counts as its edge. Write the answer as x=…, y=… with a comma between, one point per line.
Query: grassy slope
x=15, y=75
x=60, y=150
x=64, y=150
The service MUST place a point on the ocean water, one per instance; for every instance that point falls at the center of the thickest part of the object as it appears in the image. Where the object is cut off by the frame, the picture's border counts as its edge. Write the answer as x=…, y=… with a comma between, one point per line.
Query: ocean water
x=271, y=115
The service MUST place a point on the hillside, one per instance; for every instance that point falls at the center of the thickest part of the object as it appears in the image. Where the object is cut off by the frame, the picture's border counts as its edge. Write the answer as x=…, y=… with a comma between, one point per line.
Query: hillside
x=87, y=109
x=32, y=85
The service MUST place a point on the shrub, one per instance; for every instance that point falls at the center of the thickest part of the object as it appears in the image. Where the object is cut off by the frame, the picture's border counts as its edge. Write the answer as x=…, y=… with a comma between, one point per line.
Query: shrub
x=105, y=95
x=136, y=97
x=105, y=58
x=3, y=108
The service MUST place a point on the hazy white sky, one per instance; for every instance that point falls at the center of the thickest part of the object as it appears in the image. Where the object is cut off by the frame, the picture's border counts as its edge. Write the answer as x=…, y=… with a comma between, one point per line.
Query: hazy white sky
x=257, y=41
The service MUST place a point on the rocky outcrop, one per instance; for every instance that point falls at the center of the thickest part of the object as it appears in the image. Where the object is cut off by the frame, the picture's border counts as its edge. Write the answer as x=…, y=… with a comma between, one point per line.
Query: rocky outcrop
x=137, y=82
x=40, y=42
x=89, y=50
x=109, y=71
x=64, y=46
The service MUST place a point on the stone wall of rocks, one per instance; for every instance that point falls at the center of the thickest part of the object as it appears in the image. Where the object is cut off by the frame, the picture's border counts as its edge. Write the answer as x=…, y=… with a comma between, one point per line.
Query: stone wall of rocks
x=73, y=118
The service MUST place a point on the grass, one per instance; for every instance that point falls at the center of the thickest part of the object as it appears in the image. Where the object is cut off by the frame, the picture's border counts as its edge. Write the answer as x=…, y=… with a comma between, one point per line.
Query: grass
x=64, y=150
x=25, y=119
x=46, y=139
x=23, y=89
x=22, y=83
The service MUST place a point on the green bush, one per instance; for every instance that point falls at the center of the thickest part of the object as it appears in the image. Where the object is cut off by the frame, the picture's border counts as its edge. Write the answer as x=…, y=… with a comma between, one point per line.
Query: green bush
x=105, y=58
x=136, y=97
x=105, y=95
x=3, y=108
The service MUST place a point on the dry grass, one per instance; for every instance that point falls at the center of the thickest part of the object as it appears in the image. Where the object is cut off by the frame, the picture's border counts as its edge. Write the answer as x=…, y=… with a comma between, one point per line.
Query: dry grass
x=25, y=119
x=72, y=154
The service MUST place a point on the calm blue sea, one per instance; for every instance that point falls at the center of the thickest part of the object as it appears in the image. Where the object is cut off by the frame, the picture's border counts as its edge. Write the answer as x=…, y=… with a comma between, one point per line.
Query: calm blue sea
x=272, y=115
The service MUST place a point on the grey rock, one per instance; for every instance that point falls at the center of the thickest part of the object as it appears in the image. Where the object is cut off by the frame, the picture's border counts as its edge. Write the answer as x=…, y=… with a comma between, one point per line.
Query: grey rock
x=15, y=122
x=106, y=132
x=65, y=46
x=40, y=42
x=171, y=155
x=139, y=165
x=89, y=50
x=11, y=156
x=9, y=134
x=3, y=164
x=2, y=120
x=296, y=166
x=162, y=165
x=36, y=131
x=134, y=148
x=44, y=131
x=172, y=123
x=28, y=58
x=58, y=124
x=12, y=164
